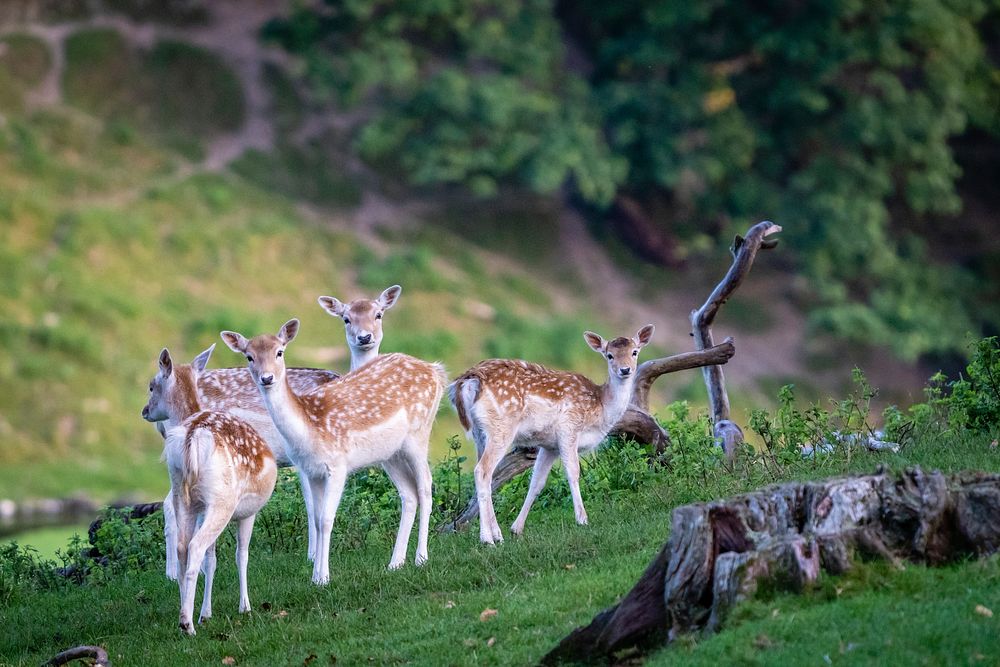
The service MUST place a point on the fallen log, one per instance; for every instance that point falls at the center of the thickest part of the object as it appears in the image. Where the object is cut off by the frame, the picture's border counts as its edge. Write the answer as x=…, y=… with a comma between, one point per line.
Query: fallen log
x=720, y=552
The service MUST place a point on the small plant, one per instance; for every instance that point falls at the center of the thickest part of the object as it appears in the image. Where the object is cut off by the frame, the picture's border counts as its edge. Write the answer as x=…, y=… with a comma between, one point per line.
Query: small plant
x=450, y=484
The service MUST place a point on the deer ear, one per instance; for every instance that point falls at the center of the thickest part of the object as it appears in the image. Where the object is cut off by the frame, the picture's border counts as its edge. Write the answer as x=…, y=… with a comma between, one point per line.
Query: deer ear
x=332, y=306
x=595, y=342
x=201, y=360
x=644, y=334
x=166, y=363
x=236, y=342
x=288, y=330
x=389, y=297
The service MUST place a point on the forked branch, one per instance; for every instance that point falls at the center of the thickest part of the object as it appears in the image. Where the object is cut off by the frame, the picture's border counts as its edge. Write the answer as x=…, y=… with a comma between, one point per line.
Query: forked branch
x=744, y=252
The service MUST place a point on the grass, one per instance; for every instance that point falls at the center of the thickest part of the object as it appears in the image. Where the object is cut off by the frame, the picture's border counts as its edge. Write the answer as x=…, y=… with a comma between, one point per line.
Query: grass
x=542, y=585
x=180, y=93
x=24, y=61
x=105, y=258
x=299, y=173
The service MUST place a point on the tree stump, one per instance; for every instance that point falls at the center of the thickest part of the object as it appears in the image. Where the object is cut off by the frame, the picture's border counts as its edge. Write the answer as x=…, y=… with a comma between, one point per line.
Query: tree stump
x=720, y=552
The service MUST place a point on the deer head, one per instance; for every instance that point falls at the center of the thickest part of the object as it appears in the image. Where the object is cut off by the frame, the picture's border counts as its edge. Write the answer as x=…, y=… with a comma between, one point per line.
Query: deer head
x=264, y=353
x=362, y=317
x=622, y=353
x=173, y=391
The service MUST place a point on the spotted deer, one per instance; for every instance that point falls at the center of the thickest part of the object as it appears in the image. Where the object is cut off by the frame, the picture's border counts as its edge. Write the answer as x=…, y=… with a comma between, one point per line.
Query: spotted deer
x=232, y=390
x=381, y=413
x=220, y=469
x=362, y=322
x=501, y=402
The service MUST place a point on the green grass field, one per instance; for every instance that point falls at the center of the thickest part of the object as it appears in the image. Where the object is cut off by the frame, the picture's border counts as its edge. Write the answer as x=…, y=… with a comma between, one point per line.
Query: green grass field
x=542, y=585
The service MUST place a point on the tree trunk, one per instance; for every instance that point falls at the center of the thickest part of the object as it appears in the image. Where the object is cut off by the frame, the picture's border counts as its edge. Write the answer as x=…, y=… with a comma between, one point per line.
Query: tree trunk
x=719, y=553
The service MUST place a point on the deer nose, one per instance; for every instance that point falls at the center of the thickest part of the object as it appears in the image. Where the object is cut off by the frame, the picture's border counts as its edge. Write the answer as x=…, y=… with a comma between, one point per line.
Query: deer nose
x=364, y=340
x=267, y=379
x=625, y=371
x=145, y=412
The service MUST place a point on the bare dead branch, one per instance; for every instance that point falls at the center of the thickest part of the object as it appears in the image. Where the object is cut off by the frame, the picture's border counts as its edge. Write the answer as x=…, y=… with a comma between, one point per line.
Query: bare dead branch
x=744, y=252
x=649, y=371
x=95, y=653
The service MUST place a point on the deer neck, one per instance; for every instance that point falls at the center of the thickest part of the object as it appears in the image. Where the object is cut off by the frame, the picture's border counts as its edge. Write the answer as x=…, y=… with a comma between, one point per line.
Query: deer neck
x=616, y=394
x=184, y=399
x=287, y=413
x=361, y=357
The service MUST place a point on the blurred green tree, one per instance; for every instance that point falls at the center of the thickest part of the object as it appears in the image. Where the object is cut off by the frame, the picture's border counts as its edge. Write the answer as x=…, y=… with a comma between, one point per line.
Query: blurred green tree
x=833, y=118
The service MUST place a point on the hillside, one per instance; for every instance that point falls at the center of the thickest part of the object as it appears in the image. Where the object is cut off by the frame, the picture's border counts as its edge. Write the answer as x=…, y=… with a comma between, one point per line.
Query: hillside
x=166, y=179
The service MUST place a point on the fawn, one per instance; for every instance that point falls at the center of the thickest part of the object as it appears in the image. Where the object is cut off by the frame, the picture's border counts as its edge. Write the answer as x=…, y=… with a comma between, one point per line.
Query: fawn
x=501, y=402
x=381, y=413
x=232, y=390
x=220, y=469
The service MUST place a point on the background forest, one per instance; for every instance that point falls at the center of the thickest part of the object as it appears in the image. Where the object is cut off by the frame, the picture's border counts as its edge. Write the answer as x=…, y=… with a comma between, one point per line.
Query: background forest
x=526, y=170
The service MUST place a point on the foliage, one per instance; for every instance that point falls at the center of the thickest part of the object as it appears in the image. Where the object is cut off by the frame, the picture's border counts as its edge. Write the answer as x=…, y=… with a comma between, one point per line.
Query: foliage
x=833, y=119
x=468, y=92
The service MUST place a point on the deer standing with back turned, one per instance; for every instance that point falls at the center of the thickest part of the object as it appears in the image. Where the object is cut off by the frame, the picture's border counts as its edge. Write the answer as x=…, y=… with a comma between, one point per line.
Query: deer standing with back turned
x=503, y=402
x=379, y=414
x=232, y=390
x=220, y=469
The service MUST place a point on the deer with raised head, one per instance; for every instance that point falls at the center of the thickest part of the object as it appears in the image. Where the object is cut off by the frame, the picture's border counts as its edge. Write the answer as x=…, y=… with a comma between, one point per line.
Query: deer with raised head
x=232, y=390
x=220, y=469
x=380, y=414
x=503, y=402
x=362, y=322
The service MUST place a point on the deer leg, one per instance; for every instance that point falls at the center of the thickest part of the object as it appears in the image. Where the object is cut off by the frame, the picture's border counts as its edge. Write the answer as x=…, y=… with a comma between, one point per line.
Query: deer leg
x=489, y=528
x=245, y=529
x=330, y=490
x=571, y=463
x=422, y=475
x=170, y=534
x=208, y=568
x=307, y=496
x=402, y=477
x=539, y=475
x=186, y=521
x=213, y=523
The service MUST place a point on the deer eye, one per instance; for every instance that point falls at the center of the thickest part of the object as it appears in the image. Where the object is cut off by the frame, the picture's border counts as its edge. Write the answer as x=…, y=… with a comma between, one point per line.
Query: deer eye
x=280, y=352
x=610, y=356
x=249, y=358
x=151, y=386
x=347, y=320
x=378, y=316
x=635, y=353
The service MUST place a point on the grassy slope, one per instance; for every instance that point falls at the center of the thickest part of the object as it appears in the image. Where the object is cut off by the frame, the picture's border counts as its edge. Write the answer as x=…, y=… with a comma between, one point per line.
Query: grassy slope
x=542, y=585
x=108, y=253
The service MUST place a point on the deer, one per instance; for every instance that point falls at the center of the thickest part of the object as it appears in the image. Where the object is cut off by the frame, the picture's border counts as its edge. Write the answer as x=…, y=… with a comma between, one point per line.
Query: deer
x=232, y=390
x=379, y=414
x=503, y=402
x=362, y=322
x=220, y=469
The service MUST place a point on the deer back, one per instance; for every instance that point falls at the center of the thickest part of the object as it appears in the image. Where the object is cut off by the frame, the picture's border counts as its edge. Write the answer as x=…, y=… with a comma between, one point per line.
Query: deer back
x=395, y=391
x=512, y=393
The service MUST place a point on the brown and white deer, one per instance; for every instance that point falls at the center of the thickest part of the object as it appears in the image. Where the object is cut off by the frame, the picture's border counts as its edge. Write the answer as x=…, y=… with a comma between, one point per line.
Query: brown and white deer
x=232, y=390
x=220, y=469
x=501, y=402
x=381, y=413
x=362, y=322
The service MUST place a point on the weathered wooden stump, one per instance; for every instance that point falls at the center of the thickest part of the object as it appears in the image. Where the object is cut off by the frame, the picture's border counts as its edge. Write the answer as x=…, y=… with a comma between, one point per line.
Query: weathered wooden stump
x=720, y=552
